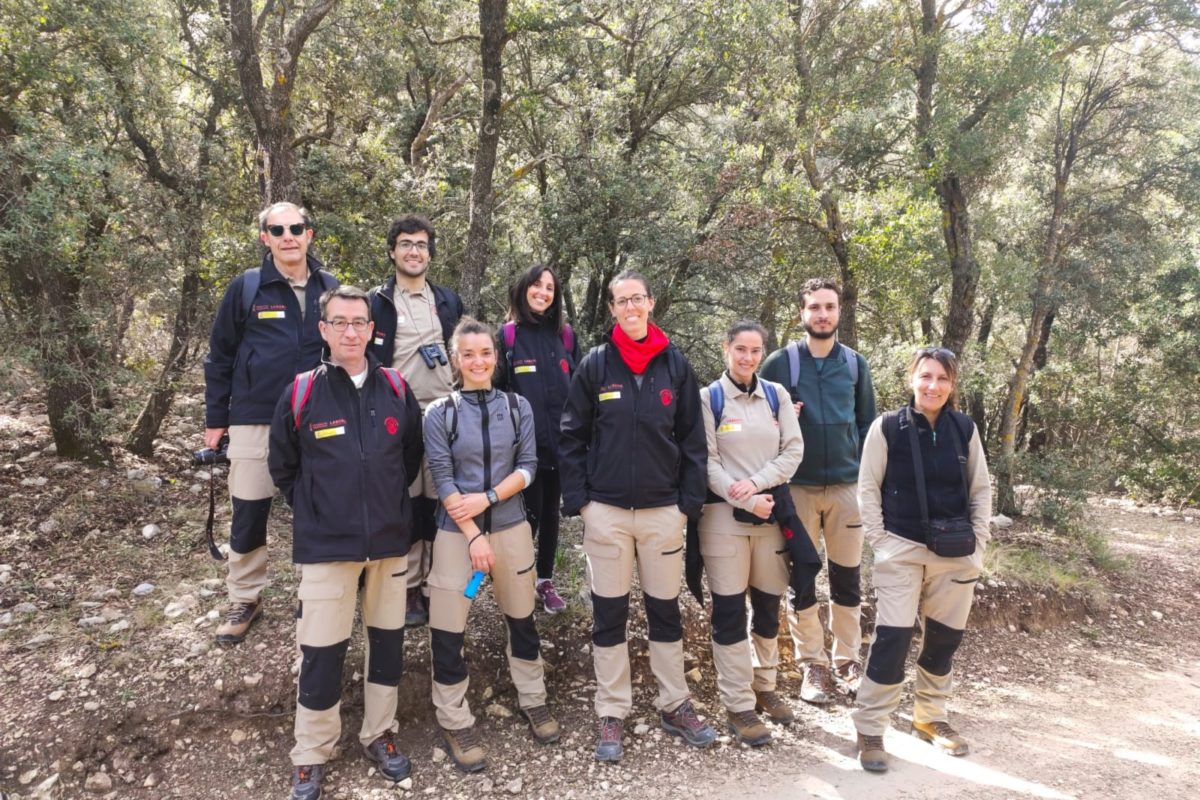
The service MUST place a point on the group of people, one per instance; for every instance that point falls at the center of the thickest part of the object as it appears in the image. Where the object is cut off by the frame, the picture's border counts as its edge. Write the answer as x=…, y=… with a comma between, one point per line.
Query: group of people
x=420, y=451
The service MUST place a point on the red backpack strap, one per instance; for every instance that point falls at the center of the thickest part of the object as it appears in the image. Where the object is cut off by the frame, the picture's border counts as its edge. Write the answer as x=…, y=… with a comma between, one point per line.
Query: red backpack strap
x=395, y=379
x=301, y=389
x=567, y=334
x=508, y=332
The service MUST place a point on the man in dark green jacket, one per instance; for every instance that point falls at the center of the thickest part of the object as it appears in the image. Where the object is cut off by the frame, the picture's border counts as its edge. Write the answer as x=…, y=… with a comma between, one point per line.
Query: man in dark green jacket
x=830, y=385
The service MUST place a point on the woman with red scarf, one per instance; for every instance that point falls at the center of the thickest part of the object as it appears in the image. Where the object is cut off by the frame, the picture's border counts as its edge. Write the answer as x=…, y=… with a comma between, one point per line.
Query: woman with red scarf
x=632, y=456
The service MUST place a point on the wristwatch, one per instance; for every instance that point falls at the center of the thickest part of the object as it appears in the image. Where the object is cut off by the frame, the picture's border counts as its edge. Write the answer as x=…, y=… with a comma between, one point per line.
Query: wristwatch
x=492, y=497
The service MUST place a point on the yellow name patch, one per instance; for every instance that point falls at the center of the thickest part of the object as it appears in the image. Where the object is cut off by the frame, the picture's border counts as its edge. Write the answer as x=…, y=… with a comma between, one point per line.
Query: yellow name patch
x=610, y=396
x=272, y=314
x=525, y=368
x=730, y=427
x=325, y=433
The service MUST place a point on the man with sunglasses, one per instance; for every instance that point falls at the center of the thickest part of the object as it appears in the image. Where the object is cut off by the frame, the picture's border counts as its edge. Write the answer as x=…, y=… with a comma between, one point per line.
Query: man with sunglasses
x=830, y=387
x=413, y=322
x=264, y=333
x=345, y=438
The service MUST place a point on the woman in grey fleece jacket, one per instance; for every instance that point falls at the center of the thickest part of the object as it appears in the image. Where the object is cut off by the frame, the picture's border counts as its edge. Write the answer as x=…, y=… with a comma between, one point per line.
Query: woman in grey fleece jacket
x=482, y=453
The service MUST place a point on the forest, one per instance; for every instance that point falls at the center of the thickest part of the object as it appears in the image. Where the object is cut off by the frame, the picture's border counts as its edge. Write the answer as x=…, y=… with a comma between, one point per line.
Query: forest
x=1018, y=181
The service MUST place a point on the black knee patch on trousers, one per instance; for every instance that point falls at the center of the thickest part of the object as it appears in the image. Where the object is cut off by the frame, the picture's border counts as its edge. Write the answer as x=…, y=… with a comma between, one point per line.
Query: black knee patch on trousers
x=248, y=528
x=610, y=616
x=321, y=675
x=800, y=602
x=885, y=664
x=386, y=663
x=844, y=585
x=523, y=637
x=728, y=618
x=765, y=619
x=449, y=662
x=663, y=620
x=938, y=647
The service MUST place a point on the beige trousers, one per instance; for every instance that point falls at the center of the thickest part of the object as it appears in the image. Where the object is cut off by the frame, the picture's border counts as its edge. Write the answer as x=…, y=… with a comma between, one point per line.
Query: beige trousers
x=614, y=540
x=830, y=513
x=325, y=620
x=512, y=586
x=249, y=480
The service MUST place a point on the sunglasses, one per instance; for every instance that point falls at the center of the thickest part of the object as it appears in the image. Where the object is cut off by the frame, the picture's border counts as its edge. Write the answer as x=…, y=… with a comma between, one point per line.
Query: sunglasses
x=936, y=352
x=296, y=228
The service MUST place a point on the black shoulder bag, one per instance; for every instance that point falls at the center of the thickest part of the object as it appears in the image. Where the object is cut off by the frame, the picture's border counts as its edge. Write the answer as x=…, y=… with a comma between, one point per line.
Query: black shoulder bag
x=948, y=537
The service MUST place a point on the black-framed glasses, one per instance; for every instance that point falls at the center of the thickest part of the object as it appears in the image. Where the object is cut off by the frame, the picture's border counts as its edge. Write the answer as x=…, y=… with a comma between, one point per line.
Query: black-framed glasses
x=296, y=228
x=405, y=245
x=340, y=325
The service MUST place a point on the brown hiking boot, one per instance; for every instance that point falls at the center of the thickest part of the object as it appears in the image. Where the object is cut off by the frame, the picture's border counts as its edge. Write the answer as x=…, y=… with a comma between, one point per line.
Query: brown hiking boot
x=849, y=676
x=942, y=736
x=748, y=728
x=871, y=754
x=238, y=621
x=544, y=727
x=775, y=707
x=817, y=687
x=464, y=749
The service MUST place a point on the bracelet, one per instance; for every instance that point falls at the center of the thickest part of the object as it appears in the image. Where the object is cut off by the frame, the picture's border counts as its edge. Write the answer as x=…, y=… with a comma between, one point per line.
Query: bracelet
x=471, y=541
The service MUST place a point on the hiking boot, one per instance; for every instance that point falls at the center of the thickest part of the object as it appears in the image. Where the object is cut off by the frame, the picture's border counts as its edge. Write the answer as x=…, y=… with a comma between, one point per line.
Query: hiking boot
x=871, y=754
x=551, y=601
x=942, y=736
x=392, y=764
x=464, y=749
x=684, y=722
x=775, y=707
x=849, y=676
x=544, y=727
x=748, y=728
x=608, y=743
x=416, y=609
x=306, y=782
x=817, y=687
x=238, y=621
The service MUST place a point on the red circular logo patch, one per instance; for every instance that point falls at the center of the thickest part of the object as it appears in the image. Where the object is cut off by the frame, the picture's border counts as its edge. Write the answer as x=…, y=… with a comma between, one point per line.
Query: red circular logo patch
x=392, y=424
x=666, y=396
x=564, y=366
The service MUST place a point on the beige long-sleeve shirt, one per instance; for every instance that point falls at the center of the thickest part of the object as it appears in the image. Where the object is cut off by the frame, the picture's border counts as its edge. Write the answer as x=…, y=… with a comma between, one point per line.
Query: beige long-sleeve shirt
x=748, y=443
x=870, y=485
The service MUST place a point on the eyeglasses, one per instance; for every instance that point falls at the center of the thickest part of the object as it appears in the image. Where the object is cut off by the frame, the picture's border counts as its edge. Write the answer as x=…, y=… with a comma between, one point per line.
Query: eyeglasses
x=296, y=228
x=404, y=245
x=340, y=325
x=635, y=300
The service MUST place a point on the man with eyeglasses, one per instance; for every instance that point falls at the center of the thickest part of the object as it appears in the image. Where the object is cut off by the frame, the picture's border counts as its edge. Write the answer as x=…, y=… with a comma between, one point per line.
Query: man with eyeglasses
x=345, y=437
x=830, y=386
x=265, y=332
x=413, y=322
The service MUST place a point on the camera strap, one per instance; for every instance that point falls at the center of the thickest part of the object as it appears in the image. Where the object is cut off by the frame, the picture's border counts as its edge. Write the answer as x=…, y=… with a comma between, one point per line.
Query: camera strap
x=213, y=550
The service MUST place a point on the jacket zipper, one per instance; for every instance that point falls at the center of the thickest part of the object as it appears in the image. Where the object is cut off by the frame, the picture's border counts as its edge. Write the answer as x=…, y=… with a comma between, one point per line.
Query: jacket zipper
x=362, y=468
x=485, y=432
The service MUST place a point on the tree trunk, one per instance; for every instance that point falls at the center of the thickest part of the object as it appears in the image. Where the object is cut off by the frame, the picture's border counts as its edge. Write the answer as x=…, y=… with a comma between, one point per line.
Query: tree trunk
x=492, y=21
x=964, y=270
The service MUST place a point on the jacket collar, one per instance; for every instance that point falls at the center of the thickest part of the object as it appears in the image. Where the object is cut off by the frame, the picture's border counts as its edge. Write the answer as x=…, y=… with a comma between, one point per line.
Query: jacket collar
x=270, y=272
x=733, y=390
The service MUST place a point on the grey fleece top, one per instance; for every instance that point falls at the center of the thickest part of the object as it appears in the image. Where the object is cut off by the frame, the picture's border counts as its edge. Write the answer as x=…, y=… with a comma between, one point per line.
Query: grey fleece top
x=482, y=447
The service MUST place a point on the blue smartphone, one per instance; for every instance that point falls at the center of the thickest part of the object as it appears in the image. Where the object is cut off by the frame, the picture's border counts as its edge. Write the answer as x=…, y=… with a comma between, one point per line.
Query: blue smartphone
x=474, y=584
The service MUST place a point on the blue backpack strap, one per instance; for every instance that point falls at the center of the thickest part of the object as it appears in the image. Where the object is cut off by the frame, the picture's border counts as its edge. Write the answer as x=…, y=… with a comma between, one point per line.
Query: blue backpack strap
x=793, y=356
x=301, y=389
x=772, y=397
x=716, y=401
x=851, y=357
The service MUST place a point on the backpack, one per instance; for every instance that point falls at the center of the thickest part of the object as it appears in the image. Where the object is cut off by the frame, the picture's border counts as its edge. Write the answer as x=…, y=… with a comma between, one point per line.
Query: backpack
x=896, y=421
x=303, y=383
x=716, y=400
x=508, y=334
x=252, y=279
x=849, y=355
x=450, y=410
x=597, y=362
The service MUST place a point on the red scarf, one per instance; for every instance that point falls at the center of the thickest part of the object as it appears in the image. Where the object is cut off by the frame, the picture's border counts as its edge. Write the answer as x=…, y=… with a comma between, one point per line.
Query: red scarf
x=638, y=355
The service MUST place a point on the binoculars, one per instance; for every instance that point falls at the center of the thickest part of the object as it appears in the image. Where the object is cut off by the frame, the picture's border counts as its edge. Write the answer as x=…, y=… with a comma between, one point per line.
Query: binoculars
x=432, y=355
x=210, y=455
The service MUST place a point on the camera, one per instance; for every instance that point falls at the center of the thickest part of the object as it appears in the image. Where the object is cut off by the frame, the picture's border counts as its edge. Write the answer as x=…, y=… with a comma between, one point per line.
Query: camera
x=209, y=455
x=432, y=355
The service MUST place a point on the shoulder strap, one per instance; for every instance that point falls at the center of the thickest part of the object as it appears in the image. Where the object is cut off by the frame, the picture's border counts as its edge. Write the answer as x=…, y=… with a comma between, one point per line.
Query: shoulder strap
x=793, y=356
x=509, y=332
x=301, y=389
x=851, y=362
x=251, y=280
x=514, y=414
x=442, y=296
x=675, y=368
x=395, y=380
x=328, y=281
x=450, y=414
x=596, y=359
x=891, y=426
x=716, y=401
x=918, y=469
x=567, y=334
x=772, y=397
